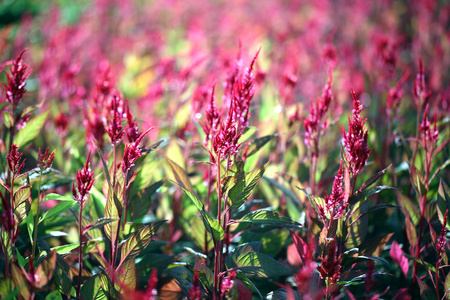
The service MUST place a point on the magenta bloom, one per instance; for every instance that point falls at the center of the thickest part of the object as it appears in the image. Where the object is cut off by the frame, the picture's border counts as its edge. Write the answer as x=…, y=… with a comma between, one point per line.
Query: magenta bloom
x=13, y=159
x=115, y=129
x=45, y=160
x=355, y=141
x=15, y=82
x=226, y=140
x=314, y=126
x=212, y=120
x=132, y=152
x=335, y=202
x=429, y=137
x=243, y=91
x=442, y=240
x=85, y=180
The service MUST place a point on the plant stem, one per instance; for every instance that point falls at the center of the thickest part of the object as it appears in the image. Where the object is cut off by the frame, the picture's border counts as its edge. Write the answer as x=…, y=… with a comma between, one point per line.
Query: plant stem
x=36, y=220
x=80, y=252
x=217, y=244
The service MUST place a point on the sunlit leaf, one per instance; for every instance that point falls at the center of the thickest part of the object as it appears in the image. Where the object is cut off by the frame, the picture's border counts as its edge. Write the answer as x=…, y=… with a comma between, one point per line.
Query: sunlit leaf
x=31, y=130
x=58, y=209
x=137, y=241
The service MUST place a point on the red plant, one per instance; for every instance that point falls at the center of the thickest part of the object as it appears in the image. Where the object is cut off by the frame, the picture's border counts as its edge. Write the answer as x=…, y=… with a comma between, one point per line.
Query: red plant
x=355, y=141
x=84, y=182
x=15, y=86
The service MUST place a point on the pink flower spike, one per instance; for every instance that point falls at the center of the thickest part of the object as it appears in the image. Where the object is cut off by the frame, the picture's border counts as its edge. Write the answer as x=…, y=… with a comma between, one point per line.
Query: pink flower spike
x=15, y=81
x=85, y=181
x=355, y=141
x=442, y=240
x=13, y=159
x=45, y=160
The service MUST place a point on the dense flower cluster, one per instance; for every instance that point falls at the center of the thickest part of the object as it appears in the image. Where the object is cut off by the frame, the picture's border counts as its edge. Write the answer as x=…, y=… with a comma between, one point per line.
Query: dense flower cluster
x=45, y=160
x=212, y=119
x=429, y=136
x=15, y=86
x=442, y=240
x=355, y=141
x=330, y=268
x=315, y=124
x=132, y=152
x=13, y=159
x=335, y=203
x=85, y=180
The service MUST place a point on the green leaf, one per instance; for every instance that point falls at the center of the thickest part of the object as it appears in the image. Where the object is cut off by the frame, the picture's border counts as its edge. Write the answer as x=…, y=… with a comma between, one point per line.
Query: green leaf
x=417, y=181
x=45, y=270
x=58, y=209
x=409, y=209
x=426, y=293
x=193, y=198
x=31, y=130
x=100, y=223
x=244, y=186
x=374, y=246
x=363, y=196
x=55, y=295
x=374, y=178
x=205, y=274
x=9, y=119
x=138, y=241
x=351, y=260
x=64, y=249
x=447, y=286
x=126, y=275
x=241, y=250
x=140, y=202
x=182, y=275
x=92, y=288
x=214, y=226
x=282, y=294
x=58, y=197
x=443, y=200
x=180, y=175
x=258, y=143
x=260, y=264
x=267, y=217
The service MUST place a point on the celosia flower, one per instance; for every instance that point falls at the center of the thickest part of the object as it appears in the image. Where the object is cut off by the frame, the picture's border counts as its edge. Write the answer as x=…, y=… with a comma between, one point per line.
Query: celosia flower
x=13, y=159
x=132, y=129
x=243, y=91
x=317, y=112
x=442, y=240
x=61, y=122
x=85, y=180
x=395, y=94
x=15, y=82
x=194, y=291
x=227, y=284
x=95, y=128
x=335, y=203
x=132, y=152
x=226, y=140
x=115, y=129
x=212, y=120
x=420, y=91
x=45, y=160
x=429, y=137
x=355, y=141
x=330, y=268
x=7, y=218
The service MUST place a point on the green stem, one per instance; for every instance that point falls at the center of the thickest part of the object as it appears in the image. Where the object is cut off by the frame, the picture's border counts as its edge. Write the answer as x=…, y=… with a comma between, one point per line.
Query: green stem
x=35, y=206
x=80, y=252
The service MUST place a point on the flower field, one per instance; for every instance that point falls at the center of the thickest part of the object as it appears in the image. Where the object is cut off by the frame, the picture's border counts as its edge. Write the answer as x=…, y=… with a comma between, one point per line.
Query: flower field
x=216, y=149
